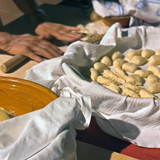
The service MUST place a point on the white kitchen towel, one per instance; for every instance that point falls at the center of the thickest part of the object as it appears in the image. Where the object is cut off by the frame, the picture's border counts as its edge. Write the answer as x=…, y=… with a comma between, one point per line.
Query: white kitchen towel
x=142, y=12
x=46, y=134
x=132, y=119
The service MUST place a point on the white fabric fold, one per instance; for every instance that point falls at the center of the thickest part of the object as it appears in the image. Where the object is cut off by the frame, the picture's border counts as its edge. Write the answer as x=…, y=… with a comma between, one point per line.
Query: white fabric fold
x=48, y=133
x=131, y=119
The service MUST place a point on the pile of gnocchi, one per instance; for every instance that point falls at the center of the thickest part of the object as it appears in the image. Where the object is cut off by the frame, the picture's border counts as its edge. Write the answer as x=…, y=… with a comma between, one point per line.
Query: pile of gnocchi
x=135, y=74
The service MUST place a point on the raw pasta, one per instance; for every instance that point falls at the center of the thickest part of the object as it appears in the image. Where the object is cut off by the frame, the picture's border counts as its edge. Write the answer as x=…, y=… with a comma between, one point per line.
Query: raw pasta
x=154, y=88
x=119, y=62
x=132, y=53
x=143, y=73
x=129, y=92
x=117, y=55
x=112, y=75
x=147, y=53
x=3, y=116
x=107, y=81
x=154, y=60
x=129, y=67
x=120, y=72
x=144, y=93
x=138, y=60
x=153, y=79
x=94, y=74
x=106, y=60
x=154, y=69
x=132, y=87
x=157, y=52
x=114, y=88
x=135, y=79
x=100, y=66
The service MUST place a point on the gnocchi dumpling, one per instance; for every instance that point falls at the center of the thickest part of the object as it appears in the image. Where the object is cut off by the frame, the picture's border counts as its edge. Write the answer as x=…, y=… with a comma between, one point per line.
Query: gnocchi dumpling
x=114, y=88
x=153, y=79
x=106, y=60
x=138, y=60
x=135, y=79
x=117, y=55
x=157, y=52
x=3, y=116
x=120, y=72
x=129, y=92
x=107, y=81
x=119, y=62
x=100, y=66
x=147, y=53
x=154, y=60
x=110, y=74
x=144, y=93
x=94, y=74
x=143, y=73
x=129, y=67
x=154, y=69
x=154, y=88
x=132, y=87
x=132, y=53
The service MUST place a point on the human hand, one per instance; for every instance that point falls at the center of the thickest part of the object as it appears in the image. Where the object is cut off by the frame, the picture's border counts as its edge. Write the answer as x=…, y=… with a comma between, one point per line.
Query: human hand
x=48, y=30
x=28, y=45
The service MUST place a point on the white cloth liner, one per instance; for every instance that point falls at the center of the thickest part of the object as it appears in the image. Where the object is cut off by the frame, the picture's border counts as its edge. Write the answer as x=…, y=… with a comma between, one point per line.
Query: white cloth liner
x=32, y=136
x=132, y=119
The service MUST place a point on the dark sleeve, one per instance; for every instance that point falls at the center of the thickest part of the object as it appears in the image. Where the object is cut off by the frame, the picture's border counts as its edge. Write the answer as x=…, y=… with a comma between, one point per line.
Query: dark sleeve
x=32, y=10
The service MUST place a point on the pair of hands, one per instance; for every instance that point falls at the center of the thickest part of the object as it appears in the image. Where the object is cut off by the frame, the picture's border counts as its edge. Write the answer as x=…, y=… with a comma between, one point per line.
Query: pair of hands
x=35, y=47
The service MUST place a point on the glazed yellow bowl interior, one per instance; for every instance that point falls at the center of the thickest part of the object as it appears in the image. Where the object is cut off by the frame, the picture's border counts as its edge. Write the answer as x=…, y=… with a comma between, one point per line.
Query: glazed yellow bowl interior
x=23, y=96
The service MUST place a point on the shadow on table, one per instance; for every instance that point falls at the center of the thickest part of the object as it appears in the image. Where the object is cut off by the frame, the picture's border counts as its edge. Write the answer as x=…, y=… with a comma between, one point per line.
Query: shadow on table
x=95, y=136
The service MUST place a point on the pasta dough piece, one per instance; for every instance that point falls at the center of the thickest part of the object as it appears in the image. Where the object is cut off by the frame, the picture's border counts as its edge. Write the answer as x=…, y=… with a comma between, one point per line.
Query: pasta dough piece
x=100, y=66
x=132, y=87
x=112, y=75
x=157, y=52
x=120, y=72
x=138, y=60
x=154, y=88
x=129, y=67
x=144, y=93
x=94, y=74
x=157, y=74
x=114, y=88
x=117, y=55
x=119, y=62
x=135, y=79
x=129, y=92
x=143, y=73
x=154, y=60
x=153, y=79
x=3, y=116
x=132, y=53
x=107, y=81
x=106, y=60
x=147, y=53
x=154, y=69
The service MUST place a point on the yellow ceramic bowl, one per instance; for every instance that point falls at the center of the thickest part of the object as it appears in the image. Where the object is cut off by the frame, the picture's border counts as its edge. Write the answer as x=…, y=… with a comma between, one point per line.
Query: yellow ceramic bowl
x=23, y=96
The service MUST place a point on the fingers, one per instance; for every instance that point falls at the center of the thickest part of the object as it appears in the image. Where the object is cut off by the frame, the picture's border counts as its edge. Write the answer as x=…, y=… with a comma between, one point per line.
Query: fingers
x=34, y=48
x=59, y=31
x=48, y=51
x=18, y=49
